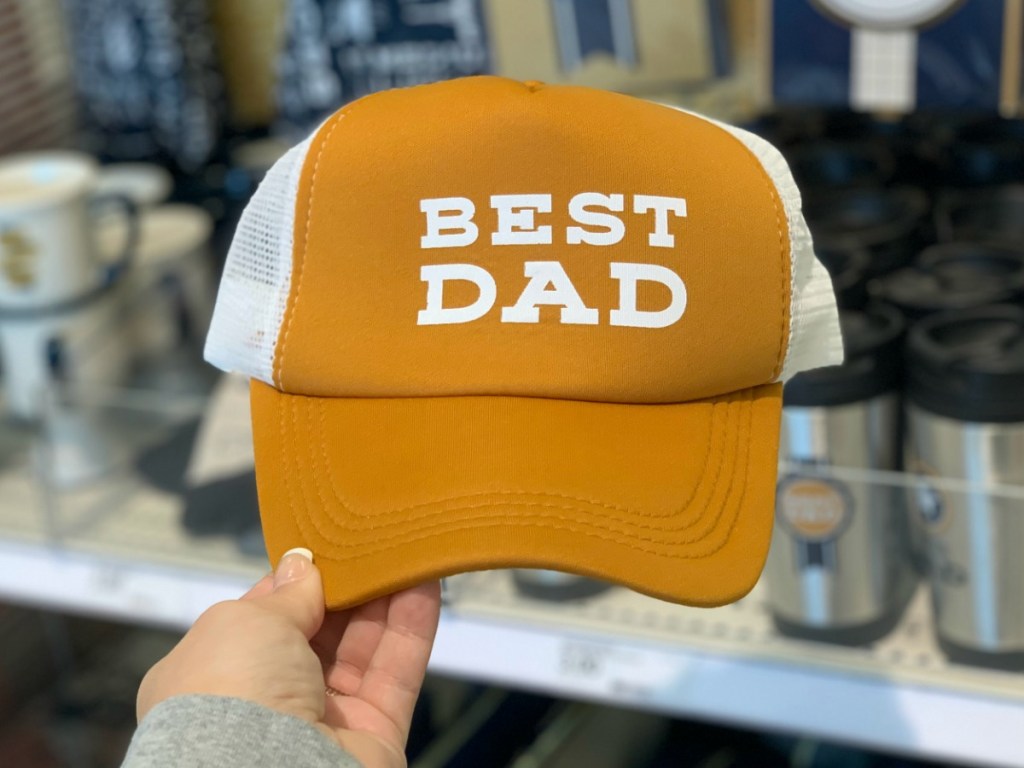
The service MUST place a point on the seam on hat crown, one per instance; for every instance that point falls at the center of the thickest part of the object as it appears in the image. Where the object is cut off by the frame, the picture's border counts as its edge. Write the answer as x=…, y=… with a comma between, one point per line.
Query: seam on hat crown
x=814, y=338
x=299, y=258
x=254, y=289
x=257, y=296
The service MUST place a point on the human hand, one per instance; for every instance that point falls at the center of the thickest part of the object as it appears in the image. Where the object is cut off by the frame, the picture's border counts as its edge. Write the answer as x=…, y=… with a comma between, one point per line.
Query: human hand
x=354, y=674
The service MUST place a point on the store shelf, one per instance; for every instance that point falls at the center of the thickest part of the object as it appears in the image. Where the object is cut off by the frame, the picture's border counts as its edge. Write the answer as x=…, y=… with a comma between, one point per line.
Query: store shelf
x=117, y=550
x=121, y=553
x=729, y=665
x=99, y=585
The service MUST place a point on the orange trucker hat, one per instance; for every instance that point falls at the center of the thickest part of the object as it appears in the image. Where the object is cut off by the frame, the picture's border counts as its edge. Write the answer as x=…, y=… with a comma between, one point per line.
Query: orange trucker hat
x=497, y=324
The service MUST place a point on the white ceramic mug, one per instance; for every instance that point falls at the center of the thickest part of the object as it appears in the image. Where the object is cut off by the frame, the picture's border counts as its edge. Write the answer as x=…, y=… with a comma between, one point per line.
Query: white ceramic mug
x=83, y=345
x=55, y=285
x=48, y=250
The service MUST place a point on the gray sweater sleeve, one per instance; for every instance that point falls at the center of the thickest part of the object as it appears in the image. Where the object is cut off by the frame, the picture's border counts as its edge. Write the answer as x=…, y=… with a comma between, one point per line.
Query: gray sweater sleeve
x=220, y=732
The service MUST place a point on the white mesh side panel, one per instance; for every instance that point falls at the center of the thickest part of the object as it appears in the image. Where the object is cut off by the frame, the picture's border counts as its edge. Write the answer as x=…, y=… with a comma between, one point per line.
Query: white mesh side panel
x=814, y=336
x=257, y=275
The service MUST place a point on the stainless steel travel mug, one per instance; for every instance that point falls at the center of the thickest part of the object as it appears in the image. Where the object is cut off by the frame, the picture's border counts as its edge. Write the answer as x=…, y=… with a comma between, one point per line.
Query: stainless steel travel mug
x=965, y=384
x=839, y=568
x=556, y=586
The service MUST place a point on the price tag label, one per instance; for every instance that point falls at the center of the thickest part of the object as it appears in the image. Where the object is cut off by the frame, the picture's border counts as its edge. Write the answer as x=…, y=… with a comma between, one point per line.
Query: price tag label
x=637, y=674
x=126, y=590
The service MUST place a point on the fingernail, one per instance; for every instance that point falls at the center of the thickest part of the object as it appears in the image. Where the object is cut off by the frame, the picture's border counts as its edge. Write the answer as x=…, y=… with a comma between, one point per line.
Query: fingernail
x=294, y=565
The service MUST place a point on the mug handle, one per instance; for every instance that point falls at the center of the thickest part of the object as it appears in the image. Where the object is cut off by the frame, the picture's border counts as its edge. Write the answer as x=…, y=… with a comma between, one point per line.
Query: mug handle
x=115, y=270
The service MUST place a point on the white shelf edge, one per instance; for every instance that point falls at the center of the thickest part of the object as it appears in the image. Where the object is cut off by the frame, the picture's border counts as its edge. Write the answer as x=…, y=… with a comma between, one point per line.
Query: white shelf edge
x=116, y=588
x=872, y=712
x=834, y=705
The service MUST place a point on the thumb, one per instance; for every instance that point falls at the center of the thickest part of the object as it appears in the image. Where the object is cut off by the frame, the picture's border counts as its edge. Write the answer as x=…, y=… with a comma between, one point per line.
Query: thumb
x=298, y=592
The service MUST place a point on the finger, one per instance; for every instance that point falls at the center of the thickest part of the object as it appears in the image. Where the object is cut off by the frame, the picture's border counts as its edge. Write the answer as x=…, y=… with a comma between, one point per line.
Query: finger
x=358, y=644
x=394, y=677
x=260, y=588
x=298, y=592
x=326, y=641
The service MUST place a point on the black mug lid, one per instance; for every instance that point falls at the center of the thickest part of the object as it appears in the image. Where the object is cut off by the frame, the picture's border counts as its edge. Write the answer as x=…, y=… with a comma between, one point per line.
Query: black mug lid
x=969, y=365
x=990, y=129
x=839, y=164
x=953, y=276
x=872, y=341
x=995, y=214
x=885, y=222
x=849, y=125
x=989, y=151
x=849, y=268
x=868, y=214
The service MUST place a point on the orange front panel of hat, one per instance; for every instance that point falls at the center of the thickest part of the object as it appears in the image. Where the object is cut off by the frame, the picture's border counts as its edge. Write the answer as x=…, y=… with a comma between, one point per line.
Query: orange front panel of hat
x=486, y=237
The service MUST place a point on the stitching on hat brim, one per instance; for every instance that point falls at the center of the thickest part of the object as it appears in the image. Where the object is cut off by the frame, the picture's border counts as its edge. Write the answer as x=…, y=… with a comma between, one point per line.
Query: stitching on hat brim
x=328, y=547
x=351, y=511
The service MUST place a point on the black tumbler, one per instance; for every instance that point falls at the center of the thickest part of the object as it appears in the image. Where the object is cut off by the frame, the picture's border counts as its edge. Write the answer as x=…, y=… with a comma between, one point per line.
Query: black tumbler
x=890, y=224
x=953, y=276
x=840, y=164
x=988, y=215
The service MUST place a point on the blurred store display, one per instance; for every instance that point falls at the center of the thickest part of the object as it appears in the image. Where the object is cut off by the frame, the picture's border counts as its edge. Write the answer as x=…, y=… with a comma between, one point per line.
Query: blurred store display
x=249, y=34
x=873, y=230
x=38, y=108
x=892, y=57
x=336, y=51
x=148, y=79
x=132, y=132
x=635, y=46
